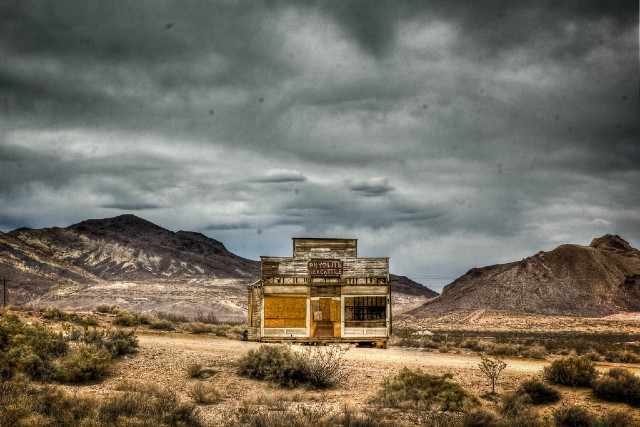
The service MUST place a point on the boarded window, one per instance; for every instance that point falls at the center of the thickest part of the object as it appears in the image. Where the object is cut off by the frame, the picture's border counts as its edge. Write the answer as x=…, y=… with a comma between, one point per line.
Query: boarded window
x=285, y=312
x=365, y=309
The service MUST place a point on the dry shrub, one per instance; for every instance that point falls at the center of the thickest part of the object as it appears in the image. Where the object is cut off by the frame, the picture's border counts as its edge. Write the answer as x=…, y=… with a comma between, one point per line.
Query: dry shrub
x=623, y=356
x=318, y=367
x=538, y=392
x=162, y=325
x=419, y=390
x=118, y=342
x=302, y=416
x=107, y=309
x=617, y=419
x=172, y=317
x=206, y=317
x=618, y=385
x=198, y=328
x=574, y=416
x=197, y=370
x=205, y=393
x=126, y=318
x=492, y=369
x=572, y=371
x=143, y=404
x=480, y=418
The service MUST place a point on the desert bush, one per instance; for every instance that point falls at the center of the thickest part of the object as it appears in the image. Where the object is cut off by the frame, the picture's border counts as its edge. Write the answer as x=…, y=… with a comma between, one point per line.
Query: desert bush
x=574, y=416
x=318, y=367
x=492, y=369
x=107, y=309
x=84, y=364
x=205, y=393
x=616, y=419
x=480, y=418
x=162, y=325
x=302, y=416
x=206, y=317
x=618, y=385
x=118, y=342
x=417, y=389
x=28, y=348
x=572, y=371
x=143, y=404
x=514, y=404
x=538, y=392
x=476, y=345
x=621, y=357
x=418, y=342
x=24, y=404
x=324, y=367
x=504, y=349
x=172, y=317
x=198, y=328
x=197, y=370
x=534, y=352
x=54, y=313
x=126, y=318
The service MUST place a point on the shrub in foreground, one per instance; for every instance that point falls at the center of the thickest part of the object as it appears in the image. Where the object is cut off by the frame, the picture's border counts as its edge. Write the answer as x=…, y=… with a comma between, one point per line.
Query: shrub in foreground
x=480, y=418
x=574, y=416
x=571, y=371
x=618, y=385
x=84, y=364
x=318, y=367
x=205, y=393
x=616, y=419
x=538, y=392
x=107, y=309
x=197, y=370
x=118, y=342
x=26, y=348
x=417, y=389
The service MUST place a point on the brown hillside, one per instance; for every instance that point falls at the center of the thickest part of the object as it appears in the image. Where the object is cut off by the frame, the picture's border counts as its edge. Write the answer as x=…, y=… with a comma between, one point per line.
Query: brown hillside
x=599, y=279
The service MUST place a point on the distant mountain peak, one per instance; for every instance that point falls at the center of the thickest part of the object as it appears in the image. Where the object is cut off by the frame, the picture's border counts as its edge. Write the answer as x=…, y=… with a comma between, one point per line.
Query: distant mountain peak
x=117, y=223
x=568, y=280
x=611, y=241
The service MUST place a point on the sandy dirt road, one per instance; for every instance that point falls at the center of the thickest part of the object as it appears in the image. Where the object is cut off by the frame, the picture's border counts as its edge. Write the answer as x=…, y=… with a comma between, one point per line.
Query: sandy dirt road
x=397, y=356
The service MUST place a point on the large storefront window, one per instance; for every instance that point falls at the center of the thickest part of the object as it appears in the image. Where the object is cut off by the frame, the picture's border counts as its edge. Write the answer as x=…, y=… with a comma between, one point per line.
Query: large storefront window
x=371, y=311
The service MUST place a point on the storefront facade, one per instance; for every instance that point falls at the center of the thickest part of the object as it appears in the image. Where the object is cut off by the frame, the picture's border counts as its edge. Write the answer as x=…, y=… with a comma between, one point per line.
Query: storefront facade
x=324, y=292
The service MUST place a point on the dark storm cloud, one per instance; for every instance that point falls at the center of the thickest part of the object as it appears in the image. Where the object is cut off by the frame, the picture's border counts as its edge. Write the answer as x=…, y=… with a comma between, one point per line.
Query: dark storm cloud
x=501, y=125
x=372, y=187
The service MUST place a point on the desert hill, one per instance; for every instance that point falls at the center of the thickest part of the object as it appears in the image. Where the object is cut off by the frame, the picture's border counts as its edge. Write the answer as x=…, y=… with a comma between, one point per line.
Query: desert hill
x=129, y=261
x=599, y=279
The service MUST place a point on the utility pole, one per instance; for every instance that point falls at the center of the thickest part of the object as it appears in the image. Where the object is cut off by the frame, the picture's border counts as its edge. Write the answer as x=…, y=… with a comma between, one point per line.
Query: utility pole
x=4, y=292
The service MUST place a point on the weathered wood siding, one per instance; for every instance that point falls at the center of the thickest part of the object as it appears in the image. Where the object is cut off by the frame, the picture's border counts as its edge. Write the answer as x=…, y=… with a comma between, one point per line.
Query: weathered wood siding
x=325, y=248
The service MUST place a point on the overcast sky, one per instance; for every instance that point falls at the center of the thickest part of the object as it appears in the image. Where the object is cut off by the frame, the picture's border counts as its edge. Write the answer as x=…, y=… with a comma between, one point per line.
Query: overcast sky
x=443, y=135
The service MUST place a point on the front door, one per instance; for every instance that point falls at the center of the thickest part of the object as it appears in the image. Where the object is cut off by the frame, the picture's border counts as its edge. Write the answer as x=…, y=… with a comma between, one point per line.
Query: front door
x=322, y=318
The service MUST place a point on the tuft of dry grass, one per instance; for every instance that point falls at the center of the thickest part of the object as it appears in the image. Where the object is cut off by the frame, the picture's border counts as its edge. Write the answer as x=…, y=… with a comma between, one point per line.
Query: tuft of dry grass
x=205, y=393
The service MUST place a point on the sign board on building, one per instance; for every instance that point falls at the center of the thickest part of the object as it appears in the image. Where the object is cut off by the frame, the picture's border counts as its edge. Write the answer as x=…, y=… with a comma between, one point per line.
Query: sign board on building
x=325, y=267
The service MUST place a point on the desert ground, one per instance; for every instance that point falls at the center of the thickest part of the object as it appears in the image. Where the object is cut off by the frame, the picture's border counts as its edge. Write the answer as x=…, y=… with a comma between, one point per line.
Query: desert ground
x=164, y=357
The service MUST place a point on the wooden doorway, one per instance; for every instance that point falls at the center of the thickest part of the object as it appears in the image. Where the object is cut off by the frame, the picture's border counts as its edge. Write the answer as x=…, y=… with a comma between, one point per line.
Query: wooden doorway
x=326, y=317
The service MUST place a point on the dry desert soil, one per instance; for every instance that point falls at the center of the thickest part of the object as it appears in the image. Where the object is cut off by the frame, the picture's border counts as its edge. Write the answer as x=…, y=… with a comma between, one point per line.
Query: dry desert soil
x=163, y=359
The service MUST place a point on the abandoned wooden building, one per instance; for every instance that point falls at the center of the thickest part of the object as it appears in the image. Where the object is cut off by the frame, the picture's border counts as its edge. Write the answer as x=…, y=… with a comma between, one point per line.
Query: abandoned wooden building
x=323, y=293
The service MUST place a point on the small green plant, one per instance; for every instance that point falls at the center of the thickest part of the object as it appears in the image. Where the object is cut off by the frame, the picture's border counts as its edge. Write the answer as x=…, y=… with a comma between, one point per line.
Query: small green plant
x=538, y=392
x=571, y=371
x=618, y=385
x=126, y=318
x=492, y=369
x=84, y=364
x=417, y=389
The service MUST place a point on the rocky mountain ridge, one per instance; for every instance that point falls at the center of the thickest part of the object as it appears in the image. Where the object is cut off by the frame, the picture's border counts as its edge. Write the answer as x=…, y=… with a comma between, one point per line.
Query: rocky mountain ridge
x=600, y=279
x=135, y=263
